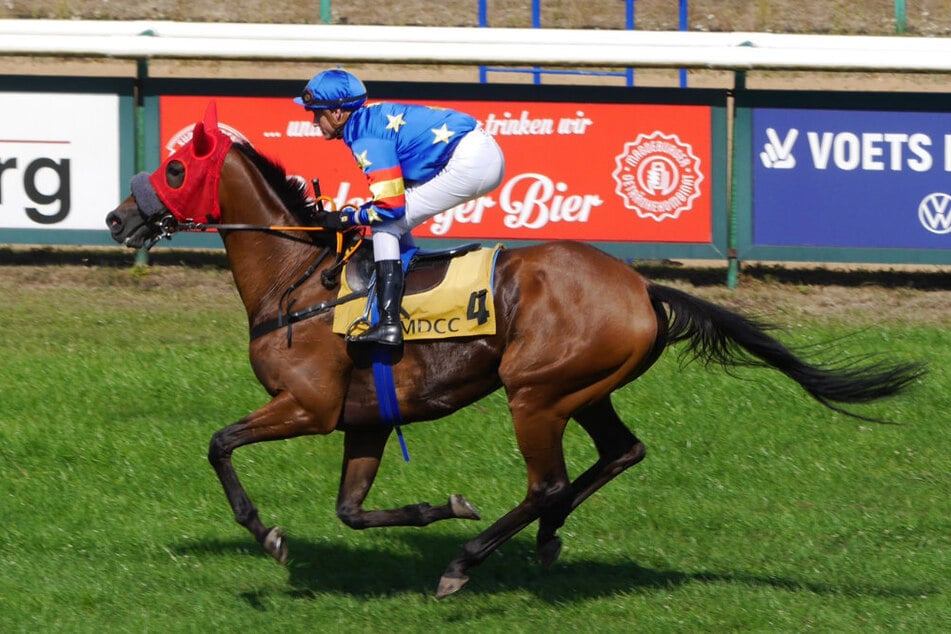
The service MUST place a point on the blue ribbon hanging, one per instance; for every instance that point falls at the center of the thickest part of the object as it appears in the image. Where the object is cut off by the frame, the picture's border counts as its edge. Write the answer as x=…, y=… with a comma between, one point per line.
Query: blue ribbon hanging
x=382, y=359
x=386, y=393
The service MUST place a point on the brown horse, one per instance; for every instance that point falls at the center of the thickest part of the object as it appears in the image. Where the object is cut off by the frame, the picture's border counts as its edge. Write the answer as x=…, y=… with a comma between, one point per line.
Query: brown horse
x=574, y=324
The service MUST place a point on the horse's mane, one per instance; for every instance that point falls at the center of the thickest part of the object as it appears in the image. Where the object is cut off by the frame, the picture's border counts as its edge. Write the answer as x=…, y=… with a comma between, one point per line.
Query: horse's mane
x=293, y=192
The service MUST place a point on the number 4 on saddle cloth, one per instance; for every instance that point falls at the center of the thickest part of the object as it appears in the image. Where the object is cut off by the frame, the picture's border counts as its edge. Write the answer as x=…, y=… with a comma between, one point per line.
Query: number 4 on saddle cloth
x=443, y=298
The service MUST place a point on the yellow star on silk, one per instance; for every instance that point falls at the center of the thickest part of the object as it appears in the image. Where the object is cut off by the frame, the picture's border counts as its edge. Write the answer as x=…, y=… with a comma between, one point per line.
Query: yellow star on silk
x=442, y=134
x=362, y=160
x=373, y=215
x=395, y=122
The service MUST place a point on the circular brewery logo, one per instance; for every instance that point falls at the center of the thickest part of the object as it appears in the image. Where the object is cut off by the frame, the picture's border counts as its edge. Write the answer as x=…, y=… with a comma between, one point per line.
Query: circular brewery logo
x=184, y=135
x=658, y=176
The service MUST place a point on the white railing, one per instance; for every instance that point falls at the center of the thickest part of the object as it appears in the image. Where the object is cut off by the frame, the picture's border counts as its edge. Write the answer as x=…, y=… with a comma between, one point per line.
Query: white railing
x=473, y=46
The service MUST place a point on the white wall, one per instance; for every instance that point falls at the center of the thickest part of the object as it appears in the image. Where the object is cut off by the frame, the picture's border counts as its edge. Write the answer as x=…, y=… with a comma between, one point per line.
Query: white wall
x=475, y=46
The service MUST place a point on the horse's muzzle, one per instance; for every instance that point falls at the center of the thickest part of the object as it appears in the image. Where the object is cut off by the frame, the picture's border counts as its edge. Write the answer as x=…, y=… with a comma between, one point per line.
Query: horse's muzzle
x=128, y=227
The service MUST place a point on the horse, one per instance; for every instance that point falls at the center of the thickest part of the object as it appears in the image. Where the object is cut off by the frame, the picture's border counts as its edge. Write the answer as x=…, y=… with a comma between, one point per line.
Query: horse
x=574, y=324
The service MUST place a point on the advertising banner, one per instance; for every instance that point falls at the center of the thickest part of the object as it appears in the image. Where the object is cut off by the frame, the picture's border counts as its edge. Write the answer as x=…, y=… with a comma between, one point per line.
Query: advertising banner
x=586, y=171
x=859, y=179
x=59, y=160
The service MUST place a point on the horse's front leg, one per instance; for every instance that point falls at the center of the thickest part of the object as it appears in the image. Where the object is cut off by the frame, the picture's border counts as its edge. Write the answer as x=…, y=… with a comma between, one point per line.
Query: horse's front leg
x=363, y=450
x=282, y=418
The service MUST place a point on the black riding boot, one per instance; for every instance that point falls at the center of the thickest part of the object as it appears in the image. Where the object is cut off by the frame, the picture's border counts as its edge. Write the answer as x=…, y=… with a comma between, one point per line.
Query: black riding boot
x=389, y=291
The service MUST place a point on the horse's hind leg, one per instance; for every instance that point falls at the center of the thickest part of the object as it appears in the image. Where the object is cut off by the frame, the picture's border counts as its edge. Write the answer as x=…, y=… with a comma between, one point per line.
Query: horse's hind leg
x=539, y=434
x=363, y=449
x=617, y=449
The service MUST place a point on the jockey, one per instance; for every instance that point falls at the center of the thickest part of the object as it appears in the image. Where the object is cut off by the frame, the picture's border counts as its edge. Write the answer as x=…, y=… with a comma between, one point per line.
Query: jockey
x=418, y=160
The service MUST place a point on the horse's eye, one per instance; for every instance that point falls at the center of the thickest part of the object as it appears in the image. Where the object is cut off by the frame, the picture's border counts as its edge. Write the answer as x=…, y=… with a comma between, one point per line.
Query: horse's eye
x=175, y=174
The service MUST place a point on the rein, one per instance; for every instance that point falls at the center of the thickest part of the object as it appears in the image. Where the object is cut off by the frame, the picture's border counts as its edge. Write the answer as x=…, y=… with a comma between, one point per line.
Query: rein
x=284, y=232
x=168, y=225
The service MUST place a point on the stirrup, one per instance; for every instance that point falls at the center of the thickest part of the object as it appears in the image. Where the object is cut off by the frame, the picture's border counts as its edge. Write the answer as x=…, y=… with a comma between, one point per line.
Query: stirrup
x=361, y=324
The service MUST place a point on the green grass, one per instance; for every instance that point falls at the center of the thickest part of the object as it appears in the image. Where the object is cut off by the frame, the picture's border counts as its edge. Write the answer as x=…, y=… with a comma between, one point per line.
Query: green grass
x=756, y=509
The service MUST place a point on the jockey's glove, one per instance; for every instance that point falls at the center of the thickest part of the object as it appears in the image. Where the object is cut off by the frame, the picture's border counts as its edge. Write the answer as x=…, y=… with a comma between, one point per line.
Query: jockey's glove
x=335, y=221
x=370, y=214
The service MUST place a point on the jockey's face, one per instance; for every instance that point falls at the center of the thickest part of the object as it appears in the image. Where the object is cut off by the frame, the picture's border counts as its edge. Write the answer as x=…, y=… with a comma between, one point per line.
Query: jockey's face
x=331, y=122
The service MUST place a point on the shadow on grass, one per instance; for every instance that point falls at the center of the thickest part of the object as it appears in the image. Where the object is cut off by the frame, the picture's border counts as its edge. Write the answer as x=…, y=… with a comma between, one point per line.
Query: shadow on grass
x=110, y=257
x=926, y=278
x=930, y=277
x=321, y=569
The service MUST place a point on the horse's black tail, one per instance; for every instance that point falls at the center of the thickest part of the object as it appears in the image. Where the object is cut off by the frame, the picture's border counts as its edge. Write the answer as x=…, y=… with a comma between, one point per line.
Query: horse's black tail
x=718, y=335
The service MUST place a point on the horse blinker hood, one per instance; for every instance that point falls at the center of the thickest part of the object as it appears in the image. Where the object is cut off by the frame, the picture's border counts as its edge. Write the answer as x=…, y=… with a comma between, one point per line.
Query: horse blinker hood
x=187, y=181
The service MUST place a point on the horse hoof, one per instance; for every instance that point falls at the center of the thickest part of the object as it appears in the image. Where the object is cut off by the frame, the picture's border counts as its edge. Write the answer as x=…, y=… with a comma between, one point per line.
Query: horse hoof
x=548, y=553
x=462, y=509
x=448, y=585
x=276, y=545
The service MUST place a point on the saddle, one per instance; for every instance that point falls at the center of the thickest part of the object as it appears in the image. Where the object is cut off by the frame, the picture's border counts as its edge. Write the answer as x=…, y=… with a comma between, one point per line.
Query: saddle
x=426, y=269
x=447, y=293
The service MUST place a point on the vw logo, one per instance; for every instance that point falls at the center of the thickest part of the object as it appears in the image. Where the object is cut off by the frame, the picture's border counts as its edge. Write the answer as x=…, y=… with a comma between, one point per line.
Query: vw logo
x=934, y=212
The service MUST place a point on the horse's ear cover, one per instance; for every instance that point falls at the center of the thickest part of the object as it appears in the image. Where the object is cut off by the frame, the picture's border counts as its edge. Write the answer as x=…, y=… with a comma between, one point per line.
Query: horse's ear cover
x=202, y=156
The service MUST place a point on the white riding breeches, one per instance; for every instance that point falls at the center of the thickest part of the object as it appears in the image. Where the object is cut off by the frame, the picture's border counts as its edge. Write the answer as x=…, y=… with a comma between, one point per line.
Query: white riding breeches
x=475, y=168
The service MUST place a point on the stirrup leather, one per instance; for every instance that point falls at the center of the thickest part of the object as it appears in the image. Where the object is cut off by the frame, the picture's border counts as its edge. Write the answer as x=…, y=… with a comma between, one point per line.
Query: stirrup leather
x=389, y=293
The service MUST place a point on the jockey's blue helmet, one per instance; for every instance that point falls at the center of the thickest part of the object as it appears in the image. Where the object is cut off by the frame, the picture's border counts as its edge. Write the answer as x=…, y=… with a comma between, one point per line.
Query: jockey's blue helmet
x=331, y=89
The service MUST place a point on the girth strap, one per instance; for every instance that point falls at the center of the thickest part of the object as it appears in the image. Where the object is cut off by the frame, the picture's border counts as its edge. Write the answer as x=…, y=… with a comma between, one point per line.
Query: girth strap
x=286, y=319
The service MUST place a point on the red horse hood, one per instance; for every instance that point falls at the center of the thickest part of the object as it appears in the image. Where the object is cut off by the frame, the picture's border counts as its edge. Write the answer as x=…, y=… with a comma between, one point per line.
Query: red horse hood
x=196, y=199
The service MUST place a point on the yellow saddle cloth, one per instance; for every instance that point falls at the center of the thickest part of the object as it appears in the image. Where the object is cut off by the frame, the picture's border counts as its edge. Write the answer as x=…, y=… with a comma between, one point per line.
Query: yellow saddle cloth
x=459, y=306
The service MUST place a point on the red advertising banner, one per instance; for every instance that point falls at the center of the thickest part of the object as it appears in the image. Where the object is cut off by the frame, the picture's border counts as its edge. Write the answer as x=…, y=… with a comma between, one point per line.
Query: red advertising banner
x=585, y=171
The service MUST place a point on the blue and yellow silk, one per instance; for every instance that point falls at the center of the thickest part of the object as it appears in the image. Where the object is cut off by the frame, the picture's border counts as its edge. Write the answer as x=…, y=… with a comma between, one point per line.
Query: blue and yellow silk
x=395, y=144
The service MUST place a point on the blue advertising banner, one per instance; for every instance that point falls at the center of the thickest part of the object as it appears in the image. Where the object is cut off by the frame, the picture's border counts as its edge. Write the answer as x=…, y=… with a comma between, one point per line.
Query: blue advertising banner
x=851, y=179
